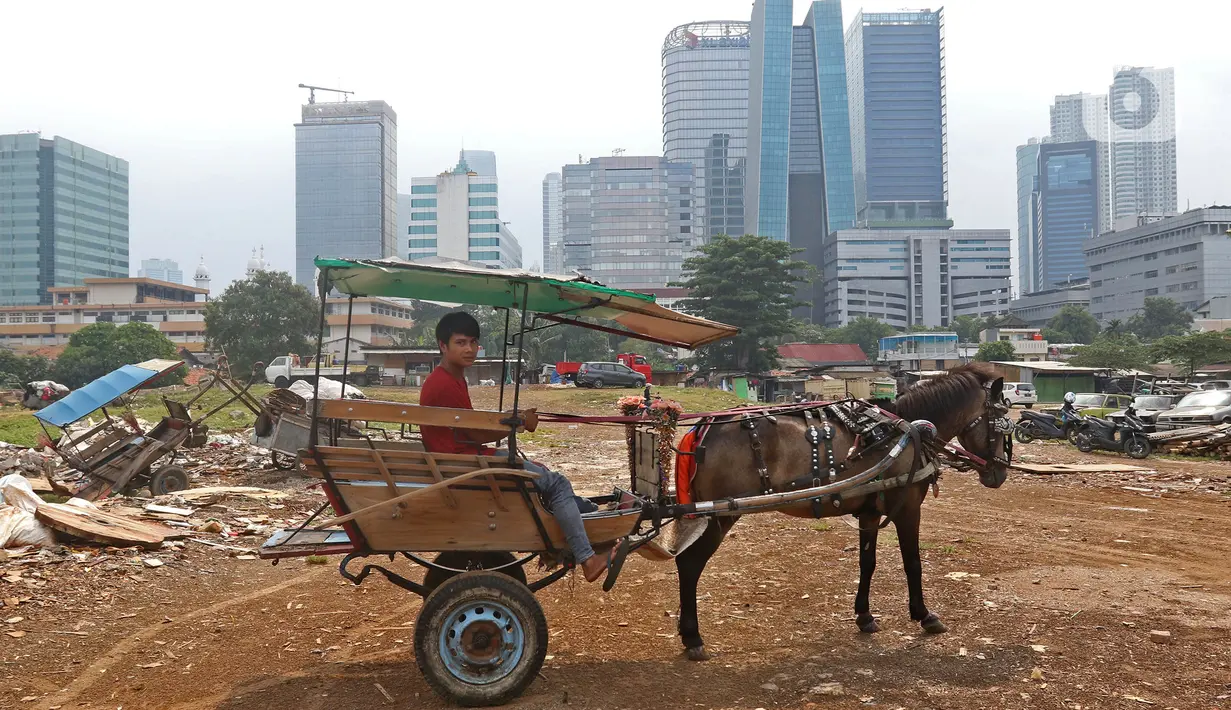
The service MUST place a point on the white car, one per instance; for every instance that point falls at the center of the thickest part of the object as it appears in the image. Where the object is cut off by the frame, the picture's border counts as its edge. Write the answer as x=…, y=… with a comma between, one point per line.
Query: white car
x=1022, y=393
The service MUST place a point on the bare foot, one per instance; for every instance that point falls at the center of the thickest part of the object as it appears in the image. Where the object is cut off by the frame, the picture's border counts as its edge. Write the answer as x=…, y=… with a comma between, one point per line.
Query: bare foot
x=595, y=565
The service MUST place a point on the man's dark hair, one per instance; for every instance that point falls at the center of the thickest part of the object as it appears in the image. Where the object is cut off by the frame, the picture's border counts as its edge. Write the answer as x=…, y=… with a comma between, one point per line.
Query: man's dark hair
x=456, y=323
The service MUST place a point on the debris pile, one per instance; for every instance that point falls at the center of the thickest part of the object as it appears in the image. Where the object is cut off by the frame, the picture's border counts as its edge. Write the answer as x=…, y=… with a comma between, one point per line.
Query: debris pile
x=17, y=459
x=1195, y=441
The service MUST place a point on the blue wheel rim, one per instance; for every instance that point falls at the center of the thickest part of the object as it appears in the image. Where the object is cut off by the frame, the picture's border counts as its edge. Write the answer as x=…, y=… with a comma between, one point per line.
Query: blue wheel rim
x=481, y=642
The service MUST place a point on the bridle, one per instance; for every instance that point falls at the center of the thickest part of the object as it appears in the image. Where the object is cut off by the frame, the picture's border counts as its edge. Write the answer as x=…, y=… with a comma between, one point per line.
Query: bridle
x=996, y=414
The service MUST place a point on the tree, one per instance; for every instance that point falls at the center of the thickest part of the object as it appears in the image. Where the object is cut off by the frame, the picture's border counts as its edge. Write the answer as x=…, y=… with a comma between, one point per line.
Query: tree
x=1193, y=351
x=968, y=328
x=866, y=333
x=996, y=351
x=749, y=282
x=100, y=348
x=1160, y=317
x=805, y=332
x=19, y=369
x=1073, y=324
x=260, y=318
x=1117, y=351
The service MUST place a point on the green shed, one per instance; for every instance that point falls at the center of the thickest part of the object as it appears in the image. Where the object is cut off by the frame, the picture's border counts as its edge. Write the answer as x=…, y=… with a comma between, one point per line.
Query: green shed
x=1050, y=379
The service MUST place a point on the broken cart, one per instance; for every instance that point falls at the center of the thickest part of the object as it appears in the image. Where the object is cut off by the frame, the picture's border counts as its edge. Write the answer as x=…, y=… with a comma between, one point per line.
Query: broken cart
x=118, y=453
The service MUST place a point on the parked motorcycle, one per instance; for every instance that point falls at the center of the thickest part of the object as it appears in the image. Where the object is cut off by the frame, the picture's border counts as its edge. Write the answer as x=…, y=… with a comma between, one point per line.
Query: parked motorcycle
x=1094, y=433
x=1040, y=425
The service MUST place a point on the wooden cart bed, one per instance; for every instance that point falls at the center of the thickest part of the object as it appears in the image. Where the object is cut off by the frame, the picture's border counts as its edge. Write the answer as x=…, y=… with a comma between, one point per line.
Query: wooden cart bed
x=483, y=513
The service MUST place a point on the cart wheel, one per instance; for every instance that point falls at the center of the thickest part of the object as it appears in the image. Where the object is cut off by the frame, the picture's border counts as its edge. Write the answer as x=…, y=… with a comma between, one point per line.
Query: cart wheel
x=462, y=559
x=168, y=479
x=480, y=639
x=283, y=462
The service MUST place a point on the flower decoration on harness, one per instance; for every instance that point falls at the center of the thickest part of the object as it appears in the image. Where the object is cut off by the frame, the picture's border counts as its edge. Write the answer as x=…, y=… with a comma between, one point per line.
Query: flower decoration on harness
x=663, y=416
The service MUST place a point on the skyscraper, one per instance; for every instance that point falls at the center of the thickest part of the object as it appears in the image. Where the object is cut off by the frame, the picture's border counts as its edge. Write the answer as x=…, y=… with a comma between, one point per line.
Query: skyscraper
x=825, y=20
x=63, y=216
x=626, y=219
x=805, y=168
x=1143, y=153
x=705, y=119
x=896, y=82
x=481, y=162
x=1027, y=183
x=553, y=225
x=1066, y=211
x=162, y=270
x=455, y=215
x=771, y=42
x=1083, y=117
x=345, y=183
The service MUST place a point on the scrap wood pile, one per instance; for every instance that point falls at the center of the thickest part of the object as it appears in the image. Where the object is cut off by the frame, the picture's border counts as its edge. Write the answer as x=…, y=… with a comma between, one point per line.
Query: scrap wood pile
x=1195, y=441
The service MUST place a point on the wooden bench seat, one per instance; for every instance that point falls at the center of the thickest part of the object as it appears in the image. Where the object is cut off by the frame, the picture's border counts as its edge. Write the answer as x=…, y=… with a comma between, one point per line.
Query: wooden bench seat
x=487, y=512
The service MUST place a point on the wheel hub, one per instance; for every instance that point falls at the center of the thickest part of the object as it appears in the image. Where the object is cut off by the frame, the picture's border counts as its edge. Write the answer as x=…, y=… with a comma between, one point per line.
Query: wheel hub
x=481, y=642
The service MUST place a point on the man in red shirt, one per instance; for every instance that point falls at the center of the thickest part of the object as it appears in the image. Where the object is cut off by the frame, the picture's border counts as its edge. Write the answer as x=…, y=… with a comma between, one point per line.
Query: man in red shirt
x=457, y=335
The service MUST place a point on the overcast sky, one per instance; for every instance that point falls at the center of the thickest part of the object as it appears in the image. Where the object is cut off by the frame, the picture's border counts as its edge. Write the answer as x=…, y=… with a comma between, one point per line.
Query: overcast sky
x=201, y=98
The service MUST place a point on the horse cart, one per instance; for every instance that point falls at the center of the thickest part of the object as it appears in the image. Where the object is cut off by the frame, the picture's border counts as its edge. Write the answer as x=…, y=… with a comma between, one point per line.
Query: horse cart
x=118, y=454
x=481, y=636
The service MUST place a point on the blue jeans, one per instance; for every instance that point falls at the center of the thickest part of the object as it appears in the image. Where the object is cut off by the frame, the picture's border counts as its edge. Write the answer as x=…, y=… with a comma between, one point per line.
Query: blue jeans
x=566, y=506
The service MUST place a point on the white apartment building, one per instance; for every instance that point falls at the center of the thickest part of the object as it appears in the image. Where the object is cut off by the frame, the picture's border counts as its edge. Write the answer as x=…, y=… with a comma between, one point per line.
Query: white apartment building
x=455, y=215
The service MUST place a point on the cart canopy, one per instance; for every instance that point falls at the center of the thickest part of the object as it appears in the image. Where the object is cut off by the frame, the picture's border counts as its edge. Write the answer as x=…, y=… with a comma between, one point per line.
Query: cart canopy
x=104, y=390
x=458, y=282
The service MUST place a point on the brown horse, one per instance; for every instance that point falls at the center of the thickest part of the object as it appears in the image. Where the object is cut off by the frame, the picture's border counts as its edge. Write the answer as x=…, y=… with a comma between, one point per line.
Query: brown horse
x=965, y=403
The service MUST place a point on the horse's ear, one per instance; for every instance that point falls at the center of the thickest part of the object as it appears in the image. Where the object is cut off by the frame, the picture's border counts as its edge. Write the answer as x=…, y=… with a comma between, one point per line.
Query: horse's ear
x=997, y=388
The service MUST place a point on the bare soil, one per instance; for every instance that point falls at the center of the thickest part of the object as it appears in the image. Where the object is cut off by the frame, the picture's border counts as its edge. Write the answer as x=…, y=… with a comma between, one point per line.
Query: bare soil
x=1050, y=586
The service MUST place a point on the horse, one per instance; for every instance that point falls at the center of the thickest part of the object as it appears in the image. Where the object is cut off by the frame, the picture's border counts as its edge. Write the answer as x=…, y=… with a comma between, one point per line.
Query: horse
x=966, y=403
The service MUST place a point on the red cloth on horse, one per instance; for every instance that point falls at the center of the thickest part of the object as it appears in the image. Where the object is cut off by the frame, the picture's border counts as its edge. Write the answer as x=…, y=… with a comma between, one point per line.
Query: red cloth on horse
x=686, y=466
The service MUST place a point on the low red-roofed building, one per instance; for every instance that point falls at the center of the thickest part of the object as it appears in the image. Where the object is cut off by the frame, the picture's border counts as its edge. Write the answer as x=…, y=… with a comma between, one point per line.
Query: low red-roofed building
x=810, y=355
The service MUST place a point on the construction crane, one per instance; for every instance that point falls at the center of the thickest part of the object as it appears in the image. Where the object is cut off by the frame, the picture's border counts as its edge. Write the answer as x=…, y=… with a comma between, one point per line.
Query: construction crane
x=313, y=89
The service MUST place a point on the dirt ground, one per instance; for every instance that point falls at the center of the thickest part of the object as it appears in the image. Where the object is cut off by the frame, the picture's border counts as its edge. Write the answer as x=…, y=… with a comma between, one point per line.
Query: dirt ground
x=1050, y=587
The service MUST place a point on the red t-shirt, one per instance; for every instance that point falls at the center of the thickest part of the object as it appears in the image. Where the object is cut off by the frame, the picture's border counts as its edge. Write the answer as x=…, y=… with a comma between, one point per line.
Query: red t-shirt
x=441, y=389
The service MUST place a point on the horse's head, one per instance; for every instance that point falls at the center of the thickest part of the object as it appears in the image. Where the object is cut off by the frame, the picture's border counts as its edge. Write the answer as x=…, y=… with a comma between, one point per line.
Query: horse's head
x=988, y=433
x=967, y=402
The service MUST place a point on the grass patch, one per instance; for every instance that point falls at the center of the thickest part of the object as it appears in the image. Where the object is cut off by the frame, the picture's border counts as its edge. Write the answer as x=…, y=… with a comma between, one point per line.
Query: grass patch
x=821, y=526
x=888, y=539
x=316, y=559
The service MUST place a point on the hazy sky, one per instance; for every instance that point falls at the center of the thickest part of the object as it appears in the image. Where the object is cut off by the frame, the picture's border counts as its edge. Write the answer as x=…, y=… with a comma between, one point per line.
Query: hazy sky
x=201, y=98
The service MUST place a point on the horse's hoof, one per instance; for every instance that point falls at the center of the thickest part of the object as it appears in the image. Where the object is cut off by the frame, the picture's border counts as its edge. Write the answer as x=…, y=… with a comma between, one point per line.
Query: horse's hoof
x=697, y=653
x=867, y=624
x=933, y=625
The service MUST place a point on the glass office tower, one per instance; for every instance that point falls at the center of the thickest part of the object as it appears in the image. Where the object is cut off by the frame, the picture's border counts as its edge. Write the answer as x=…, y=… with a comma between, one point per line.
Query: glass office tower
x=705, y=119
x=825, y=20
x=63, y=216
x=1067, y=211
x=345, y=183
x=896, y=83
x=769, y=117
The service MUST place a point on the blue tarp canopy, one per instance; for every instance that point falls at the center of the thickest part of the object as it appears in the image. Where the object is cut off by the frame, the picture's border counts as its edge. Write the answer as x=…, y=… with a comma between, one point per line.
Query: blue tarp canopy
x=104, y=390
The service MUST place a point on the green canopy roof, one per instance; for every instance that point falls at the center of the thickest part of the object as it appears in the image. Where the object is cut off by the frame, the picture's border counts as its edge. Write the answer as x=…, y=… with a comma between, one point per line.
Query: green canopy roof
x=458, y=282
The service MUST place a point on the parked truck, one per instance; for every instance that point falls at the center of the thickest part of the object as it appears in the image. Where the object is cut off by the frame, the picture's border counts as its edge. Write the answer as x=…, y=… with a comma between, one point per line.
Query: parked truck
x=567, y=371
x=288, y=368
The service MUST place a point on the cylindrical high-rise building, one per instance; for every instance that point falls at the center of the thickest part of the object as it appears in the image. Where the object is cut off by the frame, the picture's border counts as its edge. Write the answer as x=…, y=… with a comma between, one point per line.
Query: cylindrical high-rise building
x=705, y=118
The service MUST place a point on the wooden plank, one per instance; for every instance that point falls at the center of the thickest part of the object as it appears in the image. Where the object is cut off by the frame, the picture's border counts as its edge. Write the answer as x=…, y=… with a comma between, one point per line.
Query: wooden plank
x=401, y=413
x=437, y=478
x=1080, y=468
x=497, y=496
x=245, y=491
x=399, y=455
x=475, y=524
x=99, y=526
x=418, y=492
x=384, y=472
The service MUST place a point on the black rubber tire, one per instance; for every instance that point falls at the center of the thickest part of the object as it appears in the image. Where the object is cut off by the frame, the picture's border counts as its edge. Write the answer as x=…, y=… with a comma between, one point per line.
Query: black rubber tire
x=281, y=382
x=639, y=384
x=1029, y=405
x=597, y=384
x=1138, y=446
x=1084, y=443
x=168, y=479
x=1023, y=433
x=283, y=462
x=480, y=587
x=464, y=559
x=264, y=424
x=1070, y=435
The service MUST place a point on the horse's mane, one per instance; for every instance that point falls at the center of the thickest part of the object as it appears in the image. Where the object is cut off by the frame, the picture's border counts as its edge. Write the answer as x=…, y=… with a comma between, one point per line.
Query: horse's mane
x=939, y=397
